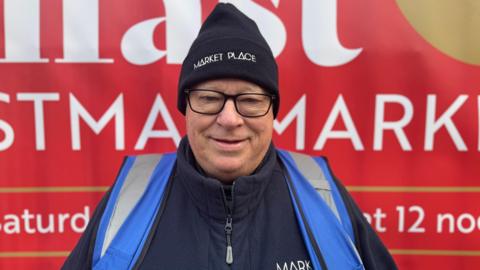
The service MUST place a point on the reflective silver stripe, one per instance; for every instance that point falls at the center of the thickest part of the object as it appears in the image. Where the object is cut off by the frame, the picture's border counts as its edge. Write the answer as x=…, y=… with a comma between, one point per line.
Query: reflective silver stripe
x=314, y=174
x=132, y=190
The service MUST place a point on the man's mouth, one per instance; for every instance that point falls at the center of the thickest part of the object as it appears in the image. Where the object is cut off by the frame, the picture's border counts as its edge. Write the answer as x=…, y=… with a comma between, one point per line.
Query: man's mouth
x=229, y=144
x=229, y=141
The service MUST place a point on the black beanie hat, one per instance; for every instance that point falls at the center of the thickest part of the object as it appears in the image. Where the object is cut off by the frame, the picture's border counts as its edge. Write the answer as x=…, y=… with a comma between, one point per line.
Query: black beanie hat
x=229, y=45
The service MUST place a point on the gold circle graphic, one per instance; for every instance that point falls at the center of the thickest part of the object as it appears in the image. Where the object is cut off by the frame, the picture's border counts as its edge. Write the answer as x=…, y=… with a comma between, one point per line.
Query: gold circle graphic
x=451, y=26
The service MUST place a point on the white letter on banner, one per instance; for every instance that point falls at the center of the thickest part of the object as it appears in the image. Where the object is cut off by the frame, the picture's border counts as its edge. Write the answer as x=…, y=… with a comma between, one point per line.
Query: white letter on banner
x=22, y=32
x=183, y=21
x=38, y=99
x=270, y=25
x=148, y=132
x=432, y=125
x=81, y=32
x=5, y=127
x=11, y=224
x=396, y=126
x=319, y=34
x=115, y=111
x=340, y=108
x=83, y=217
x=26, y=216
x=298, y=112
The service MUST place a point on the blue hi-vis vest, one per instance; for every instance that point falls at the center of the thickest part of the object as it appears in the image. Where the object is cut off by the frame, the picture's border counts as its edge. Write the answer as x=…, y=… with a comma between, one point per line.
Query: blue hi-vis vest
x=129, y=216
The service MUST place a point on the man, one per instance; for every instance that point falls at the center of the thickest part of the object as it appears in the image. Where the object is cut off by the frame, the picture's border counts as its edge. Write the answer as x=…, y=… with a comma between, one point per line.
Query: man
x=228, y=199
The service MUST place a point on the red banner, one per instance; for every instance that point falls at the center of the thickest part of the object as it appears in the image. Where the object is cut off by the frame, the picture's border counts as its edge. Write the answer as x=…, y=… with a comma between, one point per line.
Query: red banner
x=387, y=90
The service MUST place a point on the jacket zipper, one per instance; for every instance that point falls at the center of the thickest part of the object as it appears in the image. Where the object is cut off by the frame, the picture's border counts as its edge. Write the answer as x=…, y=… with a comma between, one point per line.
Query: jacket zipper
x=228, y=225
x=228, y=234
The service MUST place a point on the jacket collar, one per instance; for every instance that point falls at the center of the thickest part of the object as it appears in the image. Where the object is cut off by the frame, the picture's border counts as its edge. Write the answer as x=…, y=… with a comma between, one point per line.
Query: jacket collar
x=207, y=193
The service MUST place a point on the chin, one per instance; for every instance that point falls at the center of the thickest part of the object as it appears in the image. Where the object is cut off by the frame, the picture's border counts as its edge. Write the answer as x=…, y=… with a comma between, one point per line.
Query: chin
x=227, y=167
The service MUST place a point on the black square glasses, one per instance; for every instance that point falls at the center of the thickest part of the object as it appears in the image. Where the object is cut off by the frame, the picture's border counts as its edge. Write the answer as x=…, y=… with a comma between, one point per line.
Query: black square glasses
x=211, y=102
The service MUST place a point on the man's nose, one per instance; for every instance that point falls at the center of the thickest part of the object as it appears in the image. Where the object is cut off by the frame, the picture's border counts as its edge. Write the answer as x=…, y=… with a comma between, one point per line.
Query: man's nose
x=229, y=116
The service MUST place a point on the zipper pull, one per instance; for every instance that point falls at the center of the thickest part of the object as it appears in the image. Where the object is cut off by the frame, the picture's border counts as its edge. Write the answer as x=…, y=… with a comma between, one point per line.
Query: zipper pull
x=229, y=258
x=228, y=233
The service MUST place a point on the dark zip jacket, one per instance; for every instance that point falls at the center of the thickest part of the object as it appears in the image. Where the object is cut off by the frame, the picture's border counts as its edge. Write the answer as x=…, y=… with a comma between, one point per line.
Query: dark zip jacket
x=200, y=218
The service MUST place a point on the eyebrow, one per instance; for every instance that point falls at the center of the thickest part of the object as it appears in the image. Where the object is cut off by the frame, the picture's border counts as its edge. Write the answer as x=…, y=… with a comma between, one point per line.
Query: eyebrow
x=245, y=89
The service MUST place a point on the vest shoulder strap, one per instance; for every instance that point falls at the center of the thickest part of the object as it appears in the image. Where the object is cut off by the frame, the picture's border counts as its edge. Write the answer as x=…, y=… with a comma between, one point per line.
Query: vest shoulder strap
x=129, y=215
x=309, y=168
x=323, y=220
x=316, y=170
x=130, y=193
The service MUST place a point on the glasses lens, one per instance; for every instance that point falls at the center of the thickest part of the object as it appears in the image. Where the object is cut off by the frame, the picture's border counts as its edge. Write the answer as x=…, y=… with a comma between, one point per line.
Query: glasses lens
x=252, y=105
x=212, y=102
x=204, y=101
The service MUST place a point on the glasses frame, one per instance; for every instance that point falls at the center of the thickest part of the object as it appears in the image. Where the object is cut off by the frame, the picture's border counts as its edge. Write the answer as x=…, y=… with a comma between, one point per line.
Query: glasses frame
x=227, y=97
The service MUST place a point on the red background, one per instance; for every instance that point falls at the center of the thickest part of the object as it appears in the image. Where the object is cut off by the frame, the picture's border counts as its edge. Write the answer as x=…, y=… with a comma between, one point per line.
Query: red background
x=395, y=59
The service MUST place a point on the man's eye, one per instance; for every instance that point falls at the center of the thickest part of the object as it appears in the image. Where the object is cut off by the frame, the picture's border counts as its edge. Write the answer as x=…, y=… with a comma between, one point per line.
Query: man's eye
x=209, y=98
x=250, y=100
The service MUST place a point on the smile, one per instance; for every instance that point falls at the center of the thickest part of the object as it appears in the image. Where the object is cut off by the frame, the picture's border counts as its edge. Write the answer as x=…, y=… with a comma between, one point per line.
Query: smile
x=228, y=144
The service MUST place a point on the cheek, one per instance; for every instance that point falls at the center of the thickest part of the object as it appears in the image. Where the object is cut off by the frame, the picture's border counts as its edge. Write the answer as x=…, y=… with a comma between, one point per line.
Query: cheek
x=192, y=130
x=196, y=128
x=193, y=123
x=263, y=133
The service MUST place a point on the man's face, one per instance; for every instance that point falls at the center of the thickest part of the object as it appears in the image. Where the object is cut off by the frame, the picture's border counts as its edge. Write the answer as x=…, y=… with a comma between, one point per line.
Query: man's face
x=228, y=145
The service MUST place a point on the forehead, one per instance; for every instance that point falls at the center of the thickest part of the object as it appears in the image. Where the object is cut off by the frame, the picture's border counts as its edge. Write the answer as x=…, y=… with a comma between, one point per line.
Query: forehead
x=230, y=86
